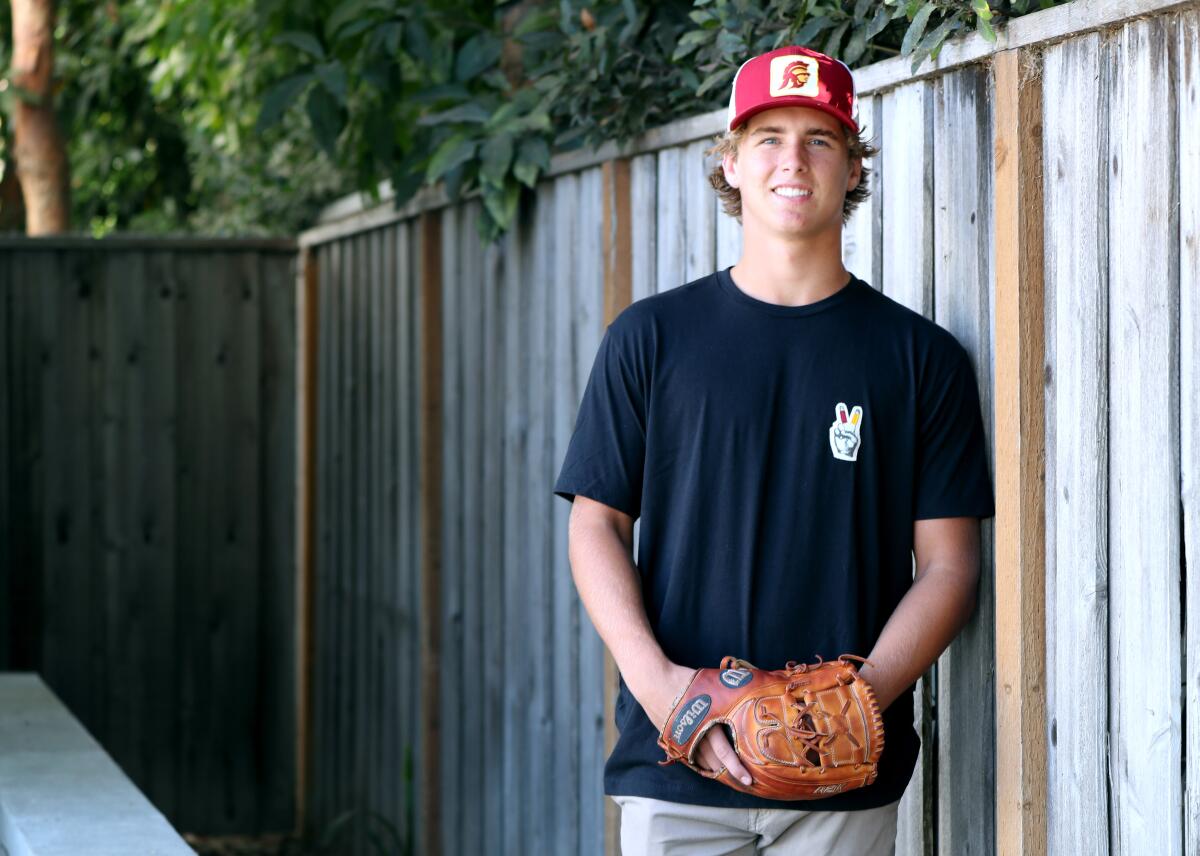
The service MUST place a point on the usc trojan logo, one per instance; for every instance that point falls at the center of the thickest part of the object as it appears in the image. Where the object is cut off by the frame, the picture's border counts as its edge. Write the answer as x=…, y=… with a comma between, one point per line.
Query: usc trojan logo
x=793, y=75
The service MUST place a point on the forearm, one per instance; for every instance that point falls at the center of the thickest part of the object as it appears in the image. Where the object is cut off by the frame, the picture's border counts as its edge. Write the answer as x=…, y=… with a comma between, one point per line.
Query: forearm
x=925, y=622
x=609, y=586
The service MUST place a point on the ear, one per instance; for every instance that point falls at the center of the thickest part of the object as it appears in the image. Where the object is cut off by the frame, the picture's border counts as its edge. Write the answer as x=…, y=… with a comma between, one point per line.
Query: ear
x=729, y=166
x=855, y=175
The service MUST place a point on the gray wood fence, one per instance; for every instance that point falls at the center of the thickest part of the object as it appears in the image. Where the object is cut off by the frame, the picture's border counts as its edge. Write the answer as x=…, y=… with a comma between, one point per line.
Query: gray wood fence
x=147, y=486
x=523, y=669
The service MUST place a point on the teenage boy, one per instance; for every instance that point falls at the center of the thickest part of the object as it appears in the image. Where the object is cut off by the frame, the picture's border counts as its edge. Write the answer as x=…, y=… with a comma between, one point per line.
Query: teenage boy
x=791, y=439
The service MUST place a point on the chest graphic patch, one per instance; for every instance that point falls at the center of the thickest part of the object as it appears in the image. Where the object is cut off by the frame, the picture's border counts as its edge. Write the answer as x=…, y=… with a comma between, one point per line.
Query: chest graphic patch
x=845, y=435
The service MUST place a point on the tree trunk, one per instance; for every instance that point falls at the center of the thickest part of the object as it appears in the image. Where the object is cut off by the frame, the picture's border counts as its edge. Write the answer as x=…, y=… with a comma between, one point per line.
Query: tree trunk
x=37, y=141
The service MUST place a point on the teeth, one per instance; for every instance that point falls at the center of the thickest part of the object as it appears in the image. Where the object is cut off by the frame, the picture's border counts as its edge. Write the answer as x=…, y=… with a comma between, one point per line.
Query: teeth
x=792, y=192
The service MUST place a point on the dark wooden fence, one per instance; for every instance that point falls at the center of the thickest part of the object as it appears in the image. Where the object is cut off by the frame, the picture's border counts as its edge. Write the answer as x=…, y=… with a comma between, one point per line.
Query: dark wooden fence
x=147, y=491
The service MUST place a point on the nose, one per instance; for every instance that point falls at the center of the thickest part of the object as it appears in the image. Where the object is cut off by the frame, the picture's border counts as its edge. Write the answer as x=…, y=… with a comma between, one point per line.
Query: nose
x=794, y=157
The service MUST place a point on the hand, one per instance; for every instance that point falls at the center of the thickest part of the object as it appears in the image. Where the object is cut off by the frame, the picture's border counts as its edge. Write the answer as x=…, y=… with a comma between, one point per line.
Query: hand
x=715, y=751
x=844, y=433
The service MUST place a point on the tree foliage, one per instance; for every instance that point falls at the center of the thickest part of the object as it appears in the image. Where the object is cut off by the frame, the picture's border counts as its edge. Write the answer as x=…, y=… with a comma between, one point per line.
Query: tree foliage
x=241, y=116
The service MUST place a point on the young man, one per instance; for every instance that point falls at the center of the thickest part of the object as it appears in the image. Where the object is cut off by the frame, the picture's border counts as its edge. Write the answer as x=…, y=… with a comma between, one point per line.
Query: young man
x=790, y=439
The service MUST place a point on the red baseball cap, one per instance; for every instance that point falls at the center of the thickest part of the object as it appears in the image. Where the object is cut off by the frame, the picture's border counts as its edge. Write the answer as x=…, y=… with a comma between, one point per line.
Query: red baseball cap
x=793, y=77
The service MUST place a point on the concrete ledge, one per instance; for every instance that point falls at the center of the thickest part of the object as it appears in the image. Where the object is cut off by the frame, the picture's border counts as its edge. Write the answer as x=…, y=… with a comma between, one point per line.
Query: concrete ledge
x=60, y=793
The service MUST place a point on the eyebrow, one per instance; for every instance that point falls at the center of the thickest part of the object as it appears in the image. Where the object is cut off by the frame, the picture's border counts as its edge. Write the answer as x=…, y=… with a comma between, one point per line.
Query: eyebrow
x=812, y=132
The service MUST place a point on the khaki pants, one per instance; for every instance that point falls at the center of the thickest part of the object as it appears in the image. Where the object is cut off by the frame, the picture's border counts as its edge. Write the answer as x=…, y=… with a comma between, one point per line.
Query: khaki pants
x=652, y=827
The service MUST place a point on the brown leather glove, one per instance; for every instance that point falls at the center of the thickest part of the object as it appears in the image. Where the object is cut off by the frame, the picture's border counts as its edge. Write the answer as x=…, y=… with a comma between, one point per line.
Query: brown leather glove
x=804, y=732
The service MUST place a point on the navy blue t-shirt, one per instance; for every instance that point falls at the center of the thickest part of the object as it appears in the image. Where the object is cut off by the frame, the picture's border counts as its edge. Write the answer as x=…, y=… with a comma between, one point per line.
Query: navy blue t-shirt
x=777, y=457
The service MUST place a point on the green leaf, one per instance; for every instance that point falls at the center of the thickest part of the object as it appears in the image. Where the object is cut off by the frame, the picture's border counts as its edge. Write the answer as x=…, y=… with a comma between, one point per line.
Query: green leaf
x=712, y=80
x=982, y=9
x=326, y=117
x=279, y=98
x=834, y=42
x=471, y=111
x=811, y=28
x=348, y=11
x=536, y=21
x=856, y=47
x=454, y=151
x=535, y=150
x=355, y=27
x=916, y=29
x=481, y=52
x=333, y=77
x=691, y=40
x=502, y=203
x=306, y=42
x=496, y=156
x=932, y=42
x=985, y=30
x=882, y=16
x=861, y=7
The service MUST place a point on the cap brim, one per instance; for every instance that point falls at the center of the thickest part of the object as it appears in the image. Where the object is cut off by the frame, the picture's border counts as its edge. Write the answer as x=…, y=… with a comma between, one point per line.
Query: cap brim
x=790, y=101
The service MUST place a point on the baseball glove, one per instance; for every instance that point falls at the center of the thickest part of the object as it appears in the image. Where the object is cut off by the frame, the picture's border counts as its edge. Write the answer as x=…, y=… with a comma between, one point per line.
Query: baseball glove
x=803, y=732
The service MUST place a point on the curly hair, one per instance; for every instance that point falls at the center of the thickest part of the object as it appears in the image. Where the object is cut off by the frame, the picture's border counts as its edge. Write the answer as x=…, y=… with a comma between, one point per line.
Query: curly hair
x=731, y=197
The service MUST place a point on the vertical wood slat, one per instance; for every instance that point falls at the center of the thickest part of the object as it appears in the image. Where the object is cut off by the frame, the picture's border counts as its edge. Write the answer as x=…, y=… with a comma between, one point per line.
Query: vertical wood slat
x=1188, y=77
x=277, y=616
x=478, y=564
x=643, y=249
x=906, y=239
x=430, y=434
x=699, y=215
x=1144, y=472
x=7, y=463
x=514, y=557
x=1020, y=501
x=589, y=328
x=859, y=234
x=962, y=279
x=308, y=389
x=492, y=709
x=671, y=221
x=375, y=654
x=539, y=478
x=566, y=602
x=1075, y=75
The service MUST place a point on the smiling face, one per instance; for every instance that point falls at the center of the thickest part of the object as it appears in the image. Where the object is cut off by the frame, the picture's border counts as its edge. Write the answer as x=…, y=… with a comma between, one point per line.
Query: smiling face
x=793, y=170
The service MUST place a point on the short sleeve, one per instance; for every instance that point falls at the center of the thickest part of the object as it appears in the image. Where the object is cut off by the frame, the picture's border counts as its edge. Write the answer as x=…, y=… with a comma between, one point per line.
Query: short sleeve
x=952, y=464
x=606, y=456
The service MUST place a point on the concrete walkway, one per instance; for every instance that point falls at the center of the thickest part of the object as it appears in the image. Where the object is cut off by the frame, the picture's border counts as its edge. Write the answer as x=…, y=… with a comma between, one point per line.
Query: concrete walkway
x=60, y=793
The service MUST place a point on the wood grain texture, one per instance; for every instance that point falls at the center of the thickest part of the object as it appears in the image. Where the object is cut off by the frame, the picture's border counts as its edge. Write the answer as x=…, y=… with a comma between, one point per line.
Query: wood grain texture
x=1019, y=463
x=1188, y=77
x=1075, y=75
x=860, y=236
x=962, y=304
x=643, y=193
x=592, y=712
x=671, y=225
x=700, y=223
x=567, y=392
x=307, y=509
x=906, y=238
x=1145, y=706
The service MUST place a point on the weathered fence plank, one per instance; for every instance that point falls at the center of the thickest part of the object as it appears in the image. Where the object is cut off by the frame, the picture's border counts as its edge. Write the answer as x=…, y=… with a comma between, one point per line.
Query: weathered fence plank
x=907, y=240
x=670, y=235
x=564, y=381
x=643, y=193
x=1144, y=464
x=1074, y=76
x=1188, y=77
x=962, y=277
x=592, y=711
x=699, y=215
x=860, y=236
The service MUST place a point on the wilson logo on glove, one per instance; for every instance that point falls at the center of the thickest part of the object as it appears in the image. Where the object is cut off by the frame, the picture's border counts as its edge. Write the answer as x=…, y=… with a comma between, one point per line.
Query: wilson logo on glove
x=735, y=678
x=691, y=716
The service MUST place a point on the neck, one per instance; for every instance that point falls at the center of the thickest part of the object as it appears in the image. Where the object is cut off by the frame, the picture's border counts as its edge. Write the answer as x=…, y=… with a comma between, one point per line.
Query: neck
x=790, y=273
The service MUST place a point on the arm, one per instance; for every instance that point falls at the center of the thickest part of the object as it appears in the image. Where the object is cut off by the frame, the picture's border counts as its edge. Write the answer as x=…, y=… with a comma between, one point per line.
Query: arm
x=934, y=610
x=600, y=546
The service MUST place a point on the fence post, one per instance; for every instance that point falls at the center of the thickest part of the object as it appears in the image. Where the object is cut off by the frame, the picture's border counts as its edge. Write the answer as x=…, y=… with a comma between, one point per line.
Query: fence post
x=306, y=510
x=618, y=293
x=1020, y=528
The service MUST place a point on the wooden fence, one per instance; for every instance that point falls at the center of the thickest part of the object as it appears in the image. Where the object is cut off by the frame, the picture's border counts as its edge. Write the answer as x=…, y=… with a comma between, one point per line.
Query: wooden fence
x=1039, y=199
x=147, y=491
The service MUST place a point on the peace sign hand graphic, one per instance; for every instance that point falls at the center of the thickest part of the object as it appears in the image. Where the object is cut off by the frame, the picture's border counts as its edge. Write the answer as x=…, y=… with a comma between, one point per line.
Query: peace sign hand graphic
x=844, y=434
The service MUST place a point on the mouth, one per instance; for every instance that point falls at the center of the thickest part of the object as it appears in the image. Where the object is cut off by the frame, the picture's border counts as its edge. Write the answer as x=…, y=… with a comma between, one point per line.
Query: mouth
x=792, y=192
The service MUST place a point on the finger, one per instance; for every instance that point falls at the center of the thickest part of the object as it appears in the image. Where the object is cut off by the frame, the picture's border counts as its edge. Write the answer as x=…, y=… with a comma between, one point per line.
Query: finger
x=727, y=757
x=841, y=412
x=856, y=416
